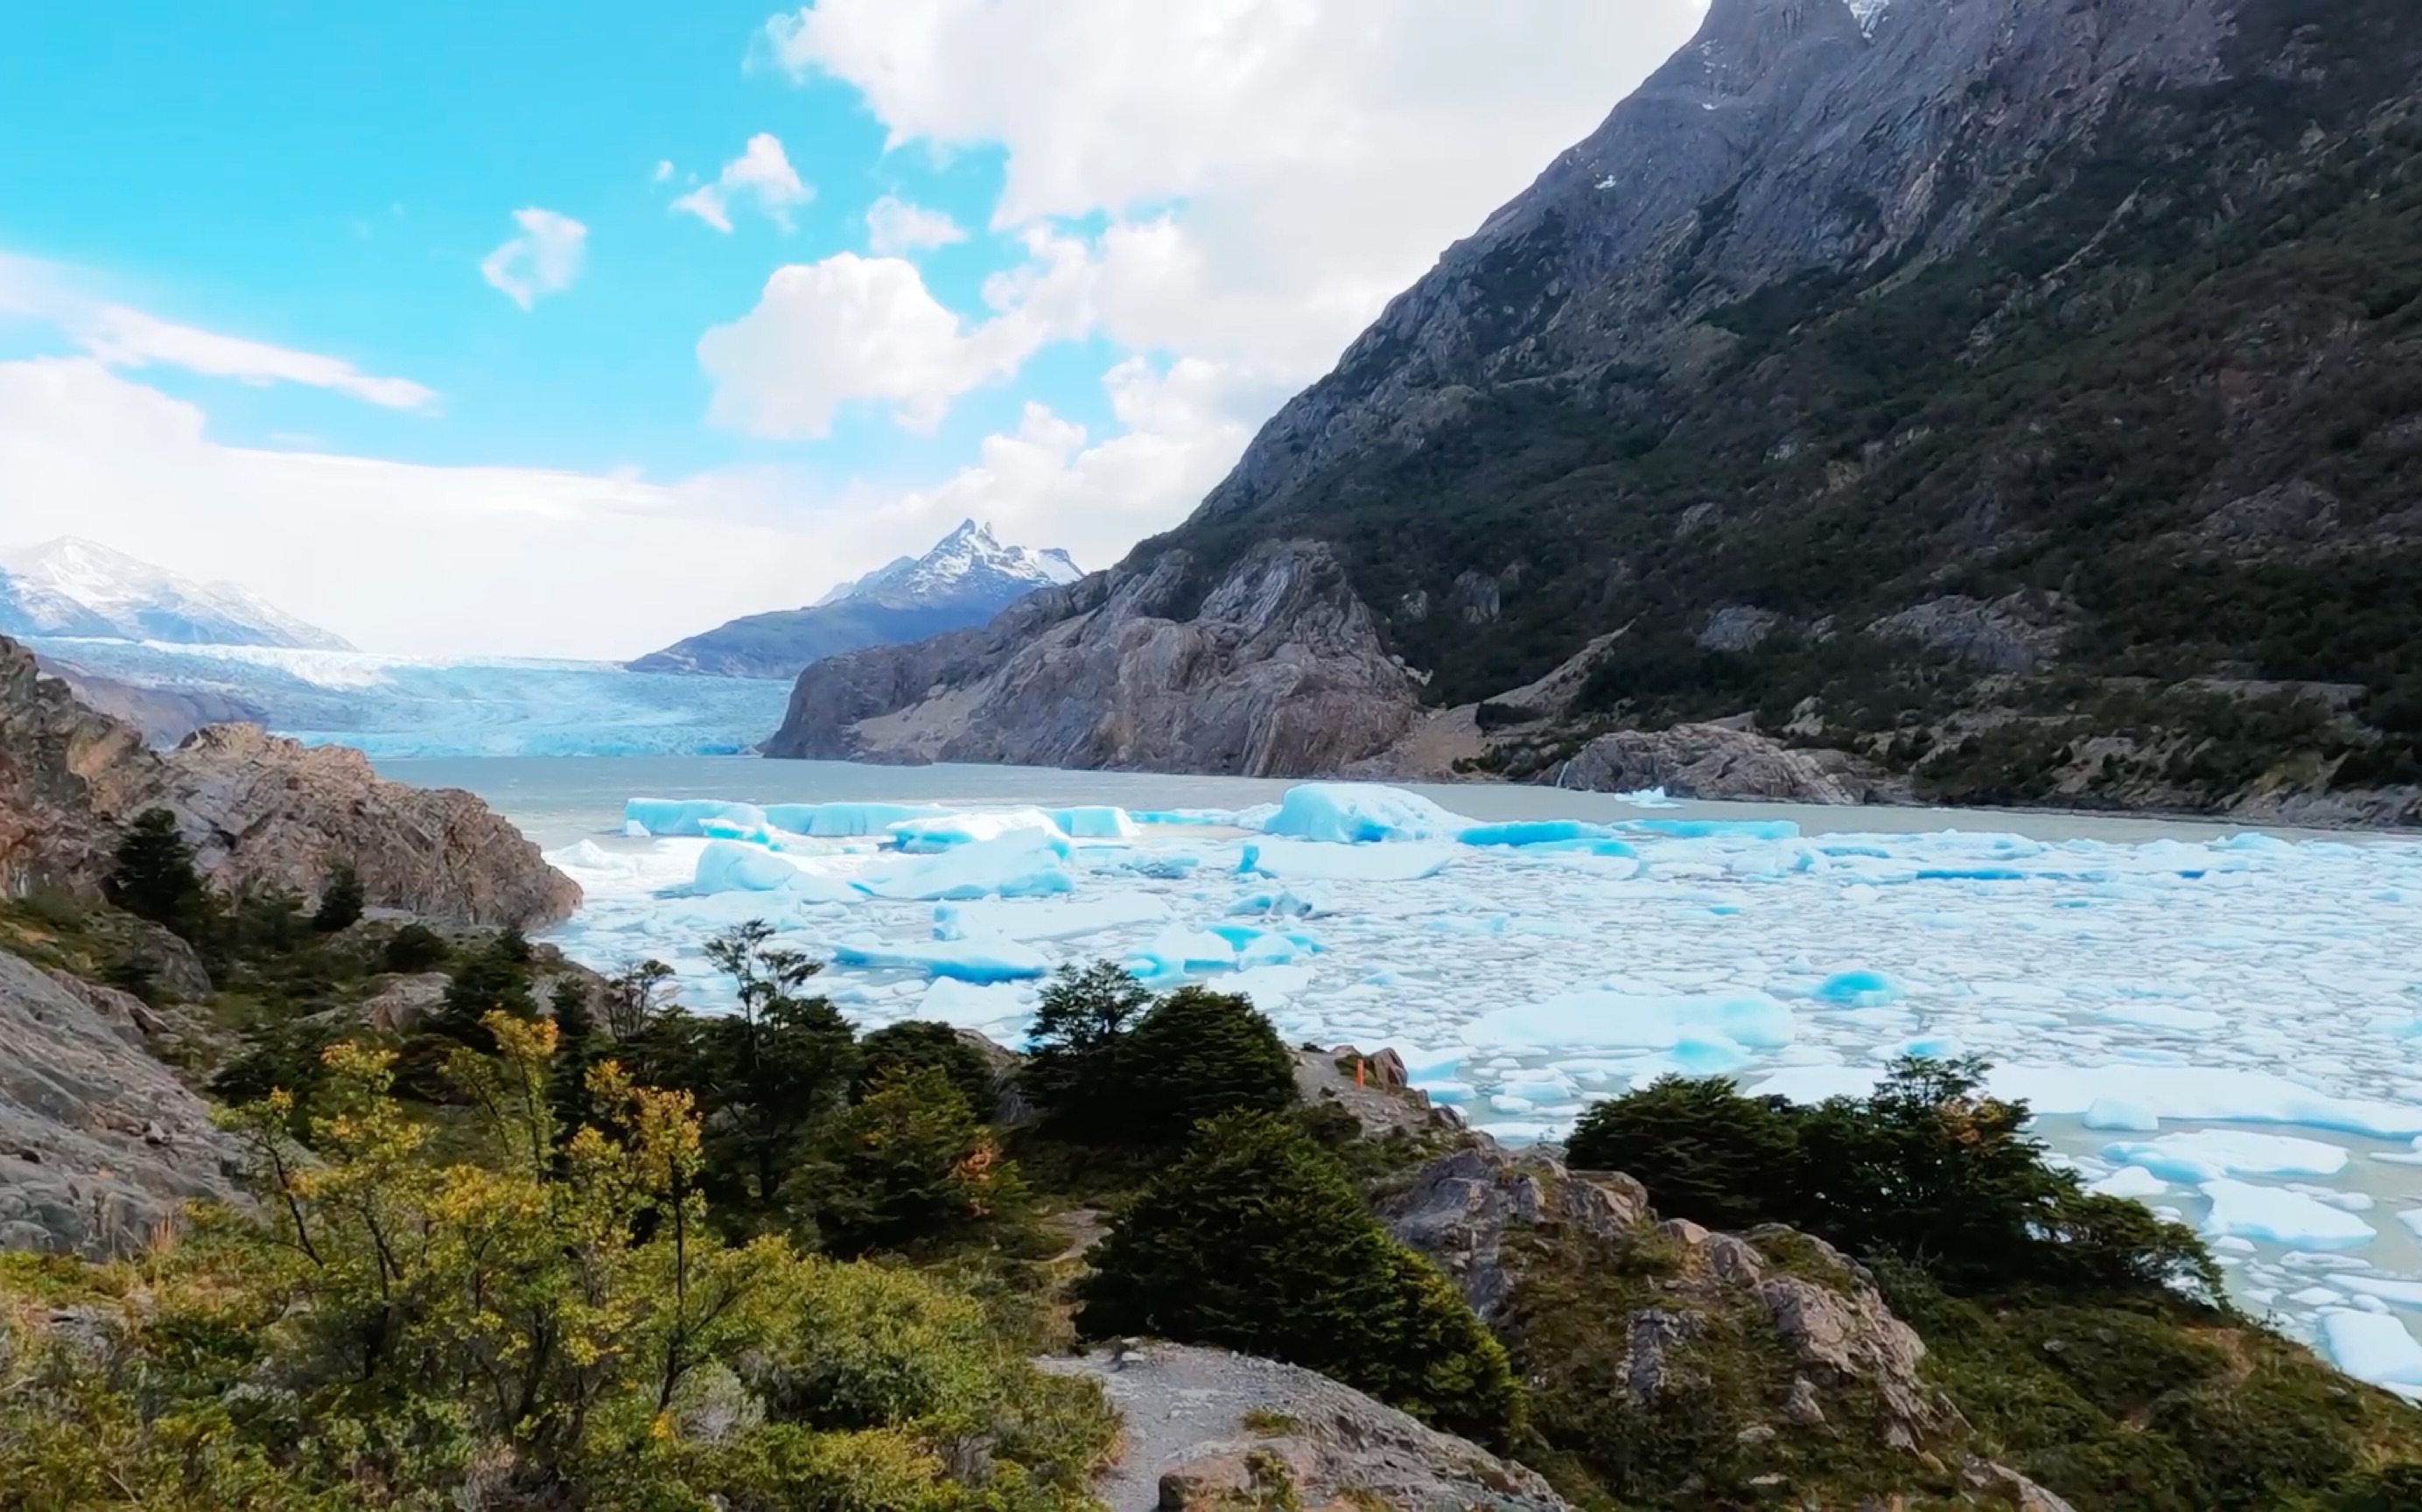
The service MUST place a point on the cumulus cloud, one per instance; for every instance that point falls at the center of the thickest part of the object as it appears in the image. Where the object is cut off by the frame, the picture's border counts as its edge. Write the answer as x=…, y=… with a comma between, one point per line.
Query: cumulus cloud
x=895, y=227
x=544, y=260
x=1243, y=185
x=853, y=327
x=761, y=172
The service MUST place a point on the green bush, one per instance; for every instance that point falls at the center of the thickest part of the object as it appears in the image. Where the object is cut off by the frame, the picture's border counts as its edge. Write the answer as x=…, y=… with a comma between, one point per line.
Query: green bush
x=906, y=1167
x=1255, y=1240
x=413, y=949
x=340, y=901
x=1198, y=1054
x=1704, y=1152
x=1074, y=1049
x=915, y=1044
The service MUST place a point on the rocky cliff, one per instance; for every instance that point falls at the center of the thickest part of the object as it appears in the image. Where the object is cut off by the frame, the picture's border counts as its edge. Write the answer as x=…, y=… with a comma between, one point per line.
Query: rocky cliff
x=1270, y=666
x=2019, y=394
x=260, y=811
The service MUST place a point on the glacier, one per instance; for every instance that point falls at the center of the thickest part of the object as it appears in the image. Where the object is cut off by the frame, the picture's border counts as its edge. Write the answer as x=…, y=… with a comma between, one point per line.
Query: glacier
x=396, y=707
x=2223, y=1026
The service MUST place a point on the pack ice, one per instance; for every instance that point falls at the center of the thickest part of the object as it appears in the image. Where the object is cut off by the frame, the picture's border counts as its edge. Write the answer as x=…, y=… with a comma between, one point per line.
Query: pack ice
x=2223, y=1026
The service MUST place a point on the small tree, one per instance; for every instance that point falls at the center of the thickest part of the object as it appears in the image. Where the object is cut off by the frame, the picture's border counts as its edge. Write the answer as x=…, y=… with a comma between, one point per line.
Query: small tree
x=908, y=1166
x=415, y=948
x=1256, y=1240
x=1198, y=1054
x=635, y=996
x=916, y=1044
x=1704, y=1151
x=154, y=877
x=494, y=978
x=1081, y=1024
x=340, y=901
x=578, y=1047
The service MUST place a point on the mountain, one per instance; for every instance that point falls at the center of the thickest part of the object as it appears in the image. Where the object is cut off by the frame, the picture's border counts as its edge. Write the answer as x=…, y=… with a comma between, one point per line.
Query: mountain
x=2023, y=395
x=965, y=580
x=72, y=588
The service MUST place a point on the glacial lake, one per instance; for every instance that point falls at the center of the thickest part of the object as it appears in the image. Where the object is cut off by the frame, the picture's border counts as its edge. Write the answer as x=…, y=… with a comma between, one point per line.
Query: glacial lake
x=2226, y=1025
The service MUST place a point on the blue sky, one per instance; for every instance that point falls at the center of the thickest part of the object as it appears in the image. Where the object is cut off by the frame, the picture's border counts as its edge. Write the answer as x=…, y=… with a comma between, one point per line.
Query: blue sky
x=245, y=329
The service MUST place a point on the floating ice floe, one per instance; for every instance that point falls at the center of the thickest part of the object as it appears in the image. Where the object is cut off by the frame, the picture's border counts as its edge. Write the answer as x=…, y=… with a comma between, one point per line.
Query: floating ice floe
x=947, y=830
x=2275, y=1215
x=1313, y=860
x=846, y=821
x=1021, y=863
x=967, y=959
x=664, y=817
x=1356, y=812
x=2219, y=1151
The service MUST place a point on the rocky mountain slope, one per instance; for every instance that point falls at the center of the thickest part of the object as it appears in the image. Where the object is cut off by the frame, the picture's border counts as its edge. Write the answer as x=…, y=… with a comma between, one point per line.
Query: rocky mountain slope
x=80, y=589
x=2019, y=394
x=964, y=580
x=259, y=810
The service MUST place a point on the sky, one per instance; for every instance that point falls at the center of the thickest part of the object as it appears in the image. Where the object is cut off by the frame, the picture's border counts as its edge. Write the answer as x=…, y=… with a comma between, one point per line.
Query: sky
x=569, y=330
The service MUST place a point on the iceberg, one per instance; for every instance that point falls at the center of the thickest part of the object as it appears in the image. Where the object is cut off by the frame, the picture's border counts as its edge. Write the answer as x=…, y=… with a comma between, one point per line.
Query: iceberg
x=663, y=817
x=846, y=821
x=1355, y=813
x=1096, y=822
x=2275, y=1216
x=1538, y=832
x=2373, y=1347
x=948, y=829
x=974, y=959
x=1181, y=951
x=1048, y=919
x=2209, y=1153
x=729, y=866
x=1321, y=861
x=1021, y=864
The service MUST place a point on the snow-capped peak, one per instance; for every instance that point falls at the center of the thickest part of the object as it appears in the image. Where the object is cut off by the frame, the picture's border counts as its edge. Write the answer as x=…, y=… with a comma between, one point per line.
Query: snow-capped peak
x=969, y=562
x=71, y=587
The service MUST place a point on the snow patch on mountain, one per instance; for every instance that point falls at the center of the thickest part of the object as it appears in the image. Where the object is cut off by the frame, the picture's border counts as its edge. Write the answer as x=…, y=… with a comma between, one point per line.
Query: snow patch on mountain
x=969, y=562
x=71, y=587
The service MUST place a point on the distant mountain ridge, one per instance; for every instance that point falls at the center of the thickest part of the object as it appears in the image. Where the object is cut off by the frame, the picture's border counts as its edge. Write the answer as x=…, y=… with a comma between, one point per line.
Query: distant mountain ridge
x=80, y=590
x=967, y=579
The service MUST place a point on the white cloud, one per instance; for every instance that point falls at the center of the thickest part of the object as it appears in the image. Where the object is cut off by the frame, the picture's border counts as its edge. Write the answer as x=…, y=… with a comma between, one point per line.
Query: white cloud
x=664, y=171
x=894, y=227
x=1264, y=175
x=761, y=172
x=852, y=327
x=544, y=260
x=401, y=558
x=122, y=337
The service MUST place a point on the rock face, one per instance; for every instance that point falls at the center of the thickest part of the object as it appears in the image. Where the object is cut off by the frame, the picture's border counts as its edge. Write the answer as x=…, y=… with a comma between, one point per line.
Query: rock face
x=1718, y=762
x=1272, y=667
x=99, y=1144
x=1768, y=1342
x=260, y=811
x=1765, y=376
x=1206, y=1428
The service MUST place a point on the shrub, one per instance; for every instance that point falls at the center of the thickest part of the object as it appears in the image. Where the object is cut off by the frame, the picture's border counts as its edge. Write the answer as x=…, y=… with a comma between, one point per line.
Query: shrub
x=1081, y=1024
x=340, y=903
x=154, y=877
x=415, y=948
x=915, y=1044
x=1198, y=1054
x=906, y=1167
x=1255, y=1240
x=1705, y=1152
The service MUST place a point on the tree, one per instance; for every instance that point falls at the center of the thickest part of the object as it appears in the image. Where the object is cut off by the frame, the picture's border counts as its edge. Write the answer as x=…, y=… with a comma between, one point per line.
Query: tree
x=635, y=996
x=340, y=901
x=493, y=978
x=763, y=1077
x=1704, y=1151
x=579, y=1046
x=1256, y=1240
x=154, y=877
x=1198, y=1054
x=1081, y=1023
x=415, y=948
x=914, y=1043
x=908, y=1166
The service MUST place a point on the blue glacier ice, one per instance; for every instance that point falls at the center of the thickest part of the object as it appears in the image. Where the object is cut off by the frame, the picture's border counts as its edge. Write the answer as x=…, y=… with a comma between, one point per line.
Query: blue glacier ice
x=1356, y=812
x=1536, y=832
x=729, y=866
x=1096, y=822
x=1317, y=861
x=689, y=816
x=843, y=820
x=1025, y=863
x=955, y=828
x=970, y=959
x=2274, y=1215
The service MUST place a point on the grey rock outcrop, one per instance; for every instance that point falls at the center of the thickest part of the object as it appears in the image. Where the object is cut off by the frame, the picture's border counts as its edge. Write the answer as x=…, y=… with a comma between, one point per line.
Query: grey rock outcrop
x=1719, y=762
x=260, y=811
x=1197, y=1420
x=99, y=1144
x=2009, y=635
x=1271, y=667
x=1460, y=1207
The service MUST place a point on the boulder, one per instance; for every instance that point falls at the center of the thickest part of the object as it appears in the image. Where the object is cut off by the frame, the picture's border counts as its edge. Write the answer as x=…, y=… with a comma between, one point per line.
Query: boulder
x=99, y=1146
x=1713, y=762
x=1208, y=1429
